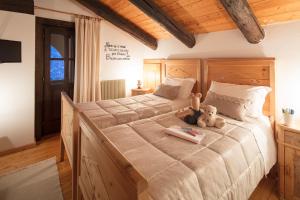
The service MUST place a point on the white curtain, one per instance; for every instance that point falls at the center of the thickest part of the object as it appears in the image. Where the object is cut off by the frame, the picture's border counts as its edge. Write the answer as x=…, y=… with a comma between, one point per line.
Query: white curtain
x=87, y=62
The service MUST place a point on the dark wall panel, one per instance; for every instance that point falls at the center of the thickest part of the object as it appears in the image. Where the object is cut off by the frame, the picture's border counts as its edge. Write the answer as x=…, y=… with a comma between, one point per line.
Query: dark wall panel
x=22, y=6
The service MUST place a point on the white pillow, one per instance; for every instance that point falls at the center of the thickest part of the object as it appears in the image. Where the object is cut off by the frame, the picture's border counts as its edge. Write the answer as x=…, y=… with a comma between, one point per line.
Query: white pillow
x=173, y=81
x=255, y=94
x=186, y=86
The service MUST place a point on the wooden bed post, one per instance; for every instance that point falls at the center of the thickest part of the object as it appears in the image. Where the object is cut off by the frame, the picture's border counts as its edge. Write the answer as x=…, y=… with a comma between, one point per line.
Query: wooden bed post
x=75, y=155
x=79, y=195
x=62, y=150
x=272, y=95
x=69, y=137
x=62, y=145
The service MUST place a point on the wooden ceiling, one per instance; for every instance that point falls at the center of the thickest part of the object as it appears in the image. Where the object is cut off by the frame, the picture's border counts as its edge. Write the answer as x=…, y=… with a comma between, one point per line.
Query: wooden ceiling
x=203, y=16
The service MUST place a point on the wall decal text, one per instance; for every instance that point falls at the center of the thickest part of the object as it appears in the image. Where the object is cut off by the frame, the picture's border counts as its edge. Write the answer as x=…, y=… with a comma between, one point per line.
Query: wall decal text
x=116, y=52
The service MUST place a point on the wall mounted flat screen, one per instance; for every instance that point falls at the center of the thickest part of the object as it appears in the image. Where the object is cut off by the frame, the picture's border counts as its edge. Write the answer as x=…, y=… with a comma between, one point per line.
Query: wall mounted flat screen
x=10, y=51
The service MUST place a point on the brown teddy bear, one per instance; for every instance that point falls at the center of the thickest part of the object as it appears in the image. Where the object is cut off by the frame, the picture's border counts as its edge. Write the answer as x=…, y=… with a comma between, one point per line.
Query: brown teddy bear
x=209, y=118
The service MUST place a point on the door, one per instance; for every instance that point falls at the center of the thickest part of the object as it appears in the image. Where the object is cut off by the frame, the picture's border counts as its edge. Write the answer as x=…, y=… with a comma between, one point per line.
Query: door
x=59, y=61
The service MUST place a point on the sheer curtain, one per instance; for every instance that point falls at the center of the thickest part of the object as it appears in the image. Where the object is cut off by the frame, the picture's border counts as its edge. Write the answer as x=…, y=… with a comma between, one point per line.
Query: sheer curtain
x=87, y=62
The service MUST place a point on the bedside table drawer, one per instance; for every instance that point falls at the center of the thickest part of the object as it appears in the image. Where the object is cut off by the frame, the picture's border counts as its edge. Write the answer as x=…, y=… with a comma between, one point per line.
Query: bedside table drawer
x=142, y=91
x=292, y=138
x=139, y=93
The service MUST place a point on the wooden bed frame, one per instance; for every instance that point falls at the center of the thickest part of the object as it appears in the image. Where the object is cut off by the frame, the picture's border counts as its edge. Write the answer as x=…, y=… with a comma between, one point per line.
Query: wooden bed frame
x=104, y=173
x=70, y=139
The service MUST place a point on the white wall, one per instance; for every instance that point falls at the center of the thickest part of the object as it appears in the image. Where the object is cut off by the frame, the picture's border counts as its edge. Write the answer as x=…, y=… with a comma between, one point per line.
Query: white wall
x=282, y=41
x=130, y=70
x=17, y=83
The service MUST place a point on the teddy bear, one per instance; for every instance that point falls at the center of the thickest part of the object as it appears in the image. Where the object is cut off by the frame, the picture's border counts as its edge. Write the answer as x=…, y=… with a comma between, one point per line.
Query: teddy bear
x=209, y=118
x=192, y=114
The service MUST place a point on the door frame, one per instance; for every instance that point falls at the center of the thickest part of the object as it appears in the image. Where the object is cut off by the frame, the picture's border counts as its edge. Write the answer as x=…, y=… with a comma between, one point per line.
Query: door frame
x=39, y=69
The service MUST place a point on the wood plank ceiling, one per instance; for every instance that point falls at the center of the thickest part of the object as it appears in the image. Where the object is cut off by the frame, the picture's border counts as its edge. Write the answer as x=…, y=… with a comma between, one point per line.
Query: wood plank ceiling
x=203, y=16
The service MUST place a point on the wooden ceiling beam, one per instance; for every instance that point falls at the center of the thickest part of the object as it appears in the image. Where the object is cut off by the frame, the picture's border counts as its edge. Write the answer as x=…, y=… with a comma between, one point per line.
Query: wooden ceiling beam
x=244, y=18
x=108, y=14
x=156, y=13
x=24, y=6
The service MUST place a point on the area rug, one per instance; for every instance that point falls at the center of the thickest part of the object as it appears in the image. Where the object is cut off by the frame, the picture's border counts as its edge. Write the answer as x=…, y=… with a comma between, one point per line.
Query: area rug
x=39, y=181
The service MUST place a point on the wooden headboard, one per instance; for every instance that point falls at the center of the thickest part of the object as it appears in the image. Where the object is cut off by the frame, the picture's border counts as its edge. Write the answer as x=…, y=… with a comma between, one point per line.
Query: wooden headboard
x=184, y=68
x=244, y=71
x=158, y=69
x=152, y=73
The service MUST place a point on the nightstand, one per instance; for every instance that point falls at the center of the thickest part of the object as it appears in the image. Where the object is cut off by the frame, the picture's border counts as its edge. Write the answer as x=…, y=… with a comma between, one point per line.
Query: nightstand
x=141, y=91
x=288, y=140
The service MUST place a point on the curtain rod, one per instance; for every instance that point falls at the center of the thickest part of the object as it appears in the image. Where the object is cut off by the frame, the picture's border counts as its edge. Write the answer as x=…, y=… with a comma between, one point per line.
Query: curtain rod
x=63, y=12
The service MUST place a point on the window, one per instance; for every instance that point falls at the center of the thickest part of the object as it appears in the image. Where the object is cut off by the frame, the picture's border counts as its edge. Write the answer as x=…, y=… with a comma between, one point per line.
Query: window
x=57, y=67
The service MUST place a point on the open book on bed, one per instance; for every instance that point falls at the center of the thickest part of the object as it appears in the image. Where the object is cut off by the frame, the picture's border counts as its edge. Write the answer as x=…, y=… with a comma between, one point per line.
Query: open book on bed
x=185, y=133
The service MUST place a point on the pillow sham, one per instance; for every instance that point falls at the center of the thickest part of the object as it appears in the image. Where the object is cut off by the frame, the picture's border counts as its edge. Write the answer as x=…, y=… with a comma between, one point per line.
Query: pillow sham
x=255, y=94
x=186, y=86
x=233, y=107
x=167, y=91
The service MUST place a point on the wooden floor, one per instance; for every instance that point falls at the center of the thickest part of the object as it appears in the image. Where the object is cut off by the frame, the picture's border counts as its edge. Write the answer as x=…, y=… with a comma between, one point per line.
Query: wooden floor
x=267, y=189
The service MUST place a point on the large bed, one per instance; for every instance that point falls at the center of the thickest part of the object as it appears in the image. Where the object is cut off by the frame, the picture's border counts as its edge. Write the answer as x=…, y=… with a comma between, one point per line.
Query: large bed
x=107, y=113
x=227, y=164
x=137, y=160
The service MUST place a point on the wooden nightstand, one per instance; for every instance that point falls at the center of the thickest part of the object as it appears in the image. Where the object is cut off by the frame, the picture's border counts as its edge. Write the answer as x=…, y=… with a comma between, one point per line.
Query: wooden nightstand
x=141, y=91
x=288, y=139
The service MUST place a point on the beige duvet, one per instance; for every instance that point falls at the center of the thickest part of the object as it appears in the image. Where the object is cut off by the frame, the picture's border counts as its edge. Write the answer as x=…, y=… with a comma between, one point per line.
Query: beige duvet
x=227, y=164
x=107, y=113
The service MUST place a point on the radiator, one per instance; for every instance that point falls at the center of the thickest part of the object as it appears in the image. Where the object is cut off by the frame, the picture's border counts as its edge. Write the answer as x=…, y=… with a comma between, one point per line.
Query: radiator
x=112, y=89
